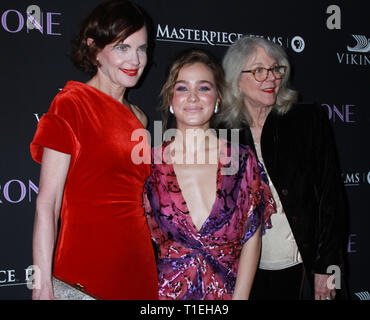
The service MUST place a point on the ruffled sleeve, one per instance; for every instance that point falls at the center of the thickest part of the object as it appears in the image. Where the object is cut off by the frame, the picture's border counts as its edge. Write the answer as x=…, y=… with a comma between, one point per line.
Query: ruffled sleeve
x=56, y=130
x=155, y=231
x=261, y=202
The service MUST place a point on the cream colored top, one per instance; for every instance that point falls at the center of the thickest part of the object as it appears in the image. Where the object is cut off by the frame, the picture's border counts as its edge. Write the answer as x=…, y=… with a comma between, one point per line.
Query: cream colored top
x=279, y=248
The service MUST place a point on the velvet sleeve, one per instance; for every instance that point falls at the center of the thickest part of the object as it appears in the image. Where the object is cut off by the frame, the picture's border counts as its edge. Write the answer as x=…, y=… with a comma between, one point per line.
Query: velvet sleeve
x=56, y=130
x=261, y=202
x=329, y=189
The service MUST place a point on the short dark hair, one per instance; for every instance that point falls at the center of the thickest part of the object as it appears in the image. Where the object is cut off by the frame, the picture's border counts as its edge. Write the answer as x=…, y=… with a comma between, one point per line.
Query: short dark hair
x=186, y=57
x=109, y=22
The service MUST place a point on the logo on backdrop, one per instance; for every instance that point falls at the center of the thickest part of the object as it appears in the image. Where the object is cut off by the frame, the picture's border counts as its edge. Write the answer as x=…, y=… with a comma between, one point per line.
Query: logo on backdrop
x=297, y=44
x=343, y=113
x=38, y=116
x=196, y=36
x=362, y=45
x=355, y=179
x=217, y=38
x=15, y=277
x=16, y=191
x=363, y=295
x=352, y=243
x=357, y=51
x=33, y=19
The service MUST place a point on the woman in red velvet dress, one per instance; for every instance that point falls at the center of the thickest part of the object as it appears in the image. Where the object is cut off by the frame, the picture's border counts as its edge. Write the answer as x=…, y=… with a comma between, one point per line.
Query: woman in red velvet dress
x=88, y=178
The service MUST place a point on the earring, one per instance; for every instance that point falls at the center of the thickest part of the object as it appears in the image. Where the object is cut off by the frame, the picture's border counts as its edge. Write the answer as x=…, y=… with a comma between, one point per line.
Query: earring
x=171, y=110
x=216, y=108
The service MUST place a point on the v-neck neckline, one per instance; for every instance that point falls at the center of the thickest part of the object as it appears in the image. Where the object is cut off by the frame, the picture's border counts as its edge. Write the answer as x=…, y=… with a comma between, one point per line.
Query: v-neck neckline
x=188, y=215
x=184, y=209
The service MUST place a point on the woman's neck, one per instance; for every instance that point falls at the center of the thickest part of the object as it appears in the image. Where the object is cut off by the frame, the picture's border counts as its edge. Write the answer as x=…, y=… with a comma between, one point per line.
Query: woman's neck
x=196, y=145
x=100, y=82
x=258, y=116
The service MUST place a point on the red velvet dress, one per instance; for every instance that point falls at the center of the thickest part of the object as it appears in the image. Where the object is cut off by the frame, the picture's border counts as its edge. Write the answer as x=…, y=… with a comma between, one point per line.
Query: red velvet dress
x=104, y=242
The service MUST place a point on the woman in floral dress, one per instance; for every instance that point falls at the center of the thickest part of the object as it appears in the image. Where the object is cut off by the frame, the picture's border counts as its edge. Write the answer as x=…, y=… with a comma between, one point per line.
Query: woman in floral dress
x=206, y=216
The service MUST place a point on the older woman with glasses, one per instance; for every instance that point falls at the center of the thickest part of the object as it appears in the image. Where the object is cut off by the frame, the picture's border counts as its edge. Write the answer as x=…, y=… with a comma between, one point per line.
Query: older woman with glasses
x=295, y=144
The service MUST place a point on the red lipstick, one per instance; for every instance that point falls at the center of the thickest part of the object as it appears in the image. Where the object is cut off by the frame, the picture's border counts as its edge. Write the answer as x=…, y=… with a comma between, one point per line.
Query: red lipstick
x=130, y=72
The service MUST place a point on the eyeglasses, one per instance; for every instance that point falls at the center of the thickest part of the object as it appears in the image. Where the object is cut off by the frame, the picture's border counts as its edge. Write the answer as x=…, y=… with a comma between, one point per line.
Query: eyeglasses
x=260, y=73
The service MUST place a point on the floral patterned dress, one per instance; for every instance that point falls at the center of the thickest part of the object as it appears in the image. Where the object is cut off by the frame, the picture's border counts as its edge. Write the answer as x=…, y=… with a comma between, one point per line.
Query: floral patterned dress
x=202, y=264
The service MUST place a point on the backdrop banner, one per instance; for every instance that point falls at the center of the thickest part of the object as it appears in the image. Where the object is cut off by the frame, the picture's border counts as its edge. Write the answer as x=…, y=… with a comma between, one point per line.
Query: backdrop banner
x=328, y=43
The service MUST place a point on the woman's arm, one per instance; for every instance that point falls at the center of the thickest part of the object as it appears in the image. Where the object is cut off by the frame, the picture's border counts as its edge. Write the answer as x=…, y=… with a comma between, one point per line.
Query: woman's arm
x=248, y=263
x=54, y=169
x=332, y=215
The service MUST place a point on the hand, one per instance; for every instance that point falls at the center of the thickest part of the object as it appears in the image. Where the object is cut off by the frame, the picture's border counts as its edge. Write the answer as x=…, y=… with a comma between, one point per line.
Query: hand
x=322, y=292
